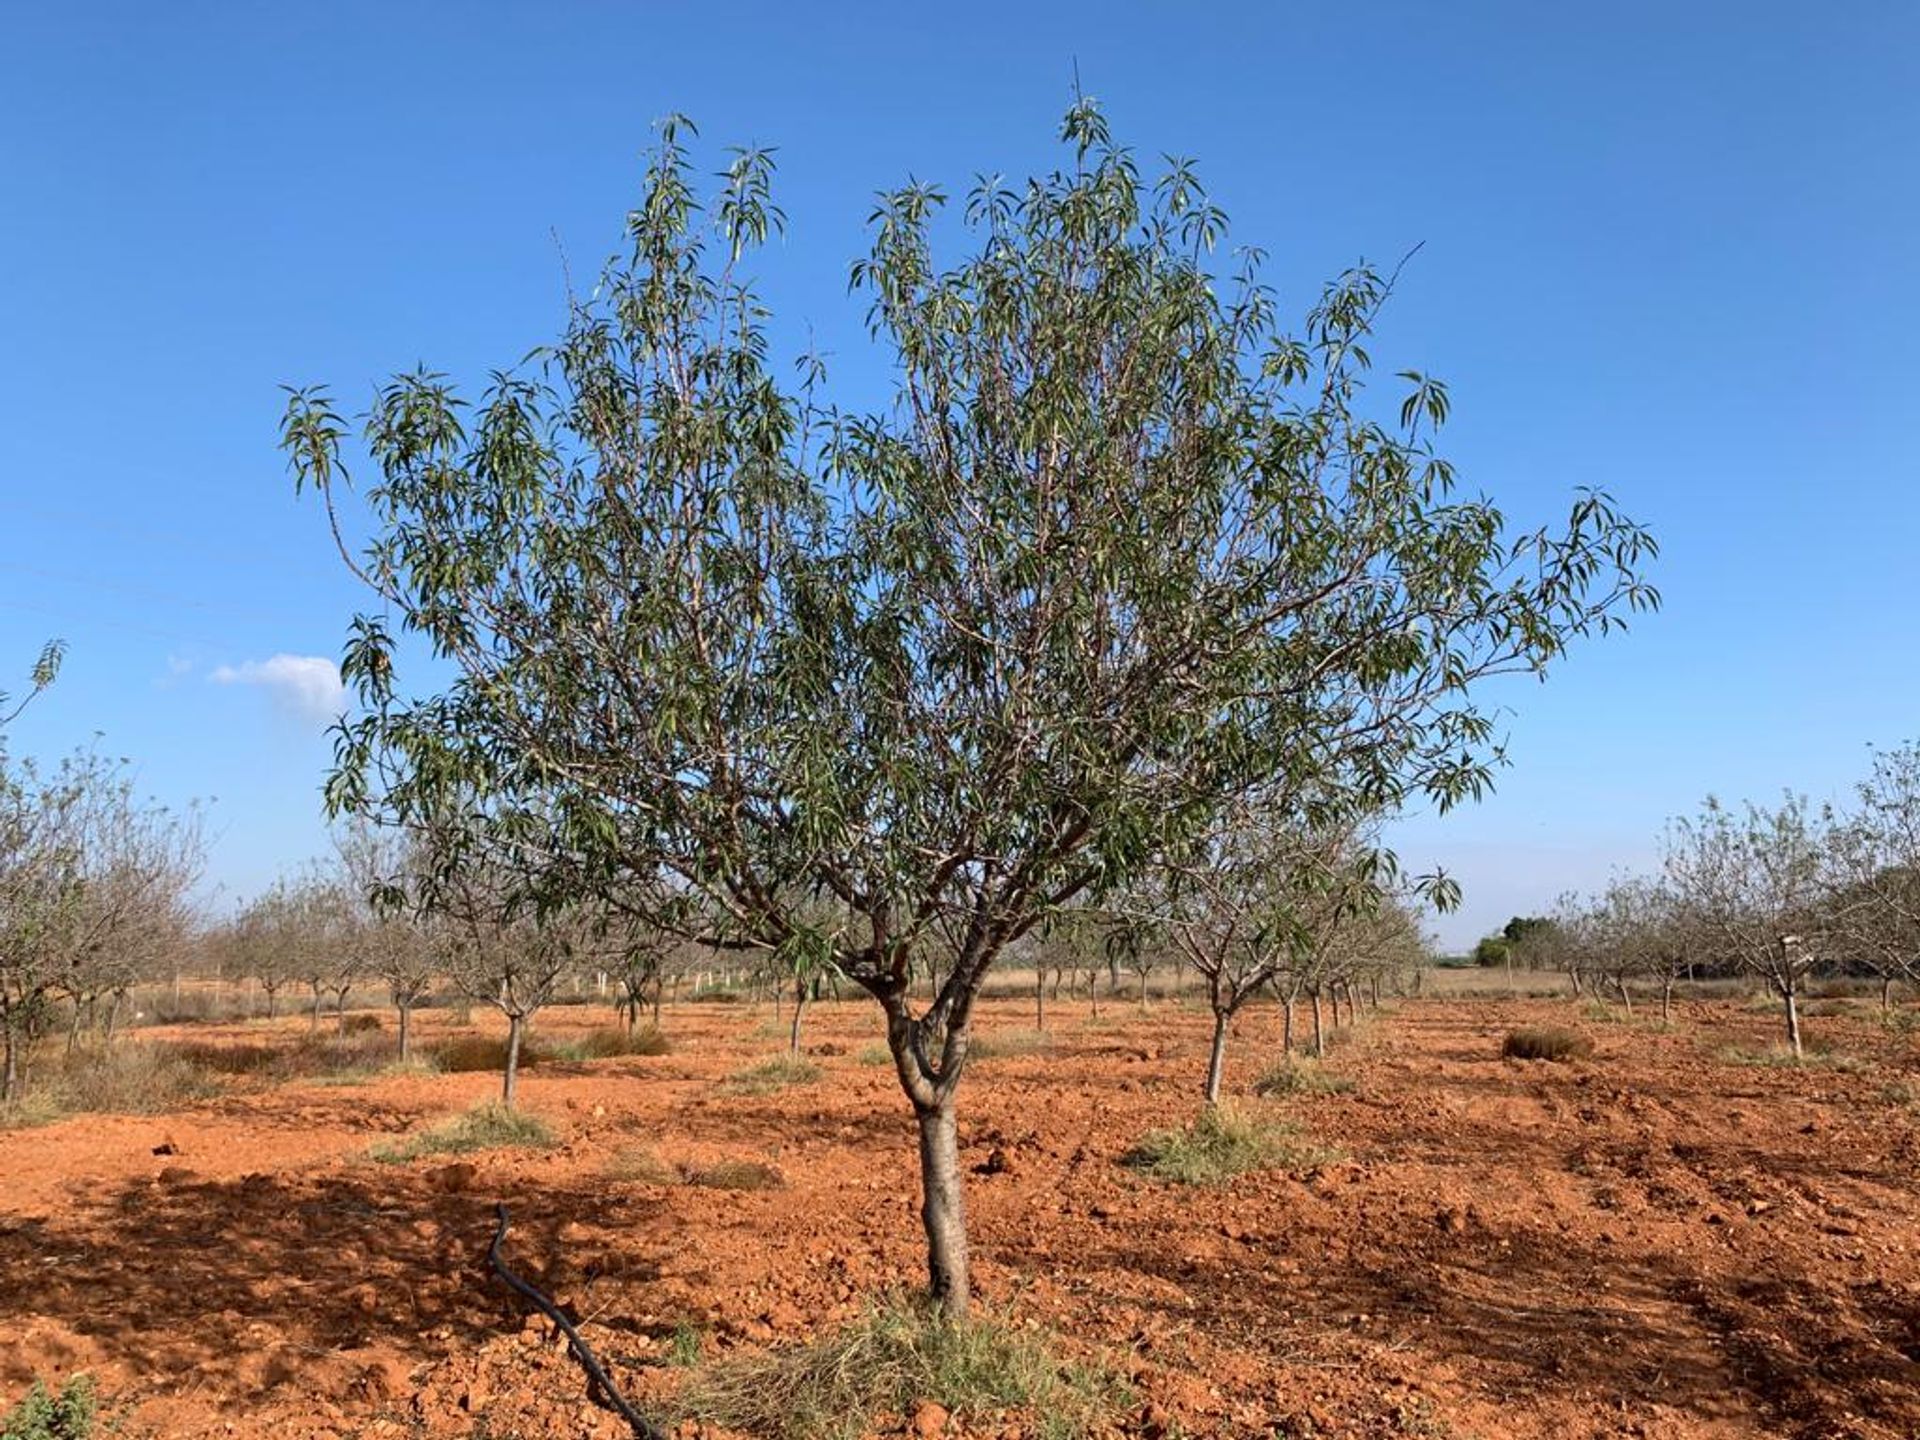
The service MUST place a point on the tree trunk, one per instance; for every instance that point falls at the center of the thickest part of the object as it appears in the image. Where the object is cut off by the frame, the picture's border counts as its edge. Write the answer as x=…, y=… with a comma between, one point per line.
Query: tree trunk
x=1286, y=1025
x=1039, y=998
x=1666, y=1000
x=943, y=1208
x=313, y=1016
x=1626, y=995
x=1886, y=996
x=1793, y=1019
x=1093, y=992
x=1574, y=976
x=659, y=990
x=1319, y=1035
x=512, y=1084
x=405, y=1007
x=1143, y=992
x=10, y=1069
x=273, y=994
x=799, y=1007
x=1217, y=1057
x=113, y=1017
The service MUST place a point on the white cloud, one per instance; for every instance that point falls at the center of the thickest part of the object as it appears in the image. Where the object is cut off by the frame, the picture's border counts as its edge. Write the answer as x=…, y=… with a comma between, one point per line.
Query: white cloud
x=306, y=686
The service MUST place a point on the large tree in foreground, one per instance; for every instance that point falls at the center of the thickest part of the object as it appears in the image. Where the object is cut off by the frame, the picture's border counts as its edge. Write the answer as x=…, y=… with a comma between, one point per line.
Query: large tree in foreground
x=1120, y=551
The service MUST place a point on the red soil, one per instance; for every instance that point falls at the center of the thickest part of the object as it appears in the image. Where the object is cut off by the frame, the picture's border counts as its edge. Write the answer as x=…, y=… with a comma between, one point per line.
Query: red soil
x=1652, y=1242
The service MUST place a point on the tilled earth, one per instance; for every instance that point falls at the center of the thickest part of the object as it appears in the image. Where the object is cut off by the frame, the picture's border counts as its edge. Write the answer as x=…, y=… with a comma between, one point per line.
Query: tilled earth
x=1655, y=1241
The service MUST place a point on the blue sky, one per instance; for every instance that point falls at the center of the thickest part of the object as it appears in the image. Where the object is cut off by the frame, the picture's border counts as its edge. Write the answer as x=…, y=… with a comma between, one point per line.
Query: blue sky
x=1667, y=250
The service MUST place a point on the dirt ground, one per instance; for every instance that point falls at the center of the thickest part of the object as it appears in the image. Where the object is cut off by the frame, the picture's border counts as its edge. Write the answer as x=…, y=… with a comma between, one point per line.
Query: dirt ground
x=1657, y=1241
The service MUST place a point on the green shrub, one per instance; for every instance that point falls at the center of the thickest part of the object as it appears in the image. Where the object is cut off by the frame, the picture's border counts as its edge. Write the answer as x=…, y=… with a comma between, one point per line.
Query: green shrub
x=889, y=1361
x=362, y=1024
x=774, y=1074
x=683, y=1346
x=637, y=1162
x=1221, y=1144
x=1545, y=1042
x=1297, y=1077
x=873, y=1055
x=485, y=1127
x=43, y=1415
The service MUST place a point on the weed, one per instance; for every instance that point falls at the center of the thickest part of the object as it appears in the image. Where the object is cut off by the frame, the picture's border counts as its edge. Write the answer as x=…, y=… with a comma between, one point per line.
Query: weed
x=1545, y=1043
x=683, y=1346
x=485, y=1127
x=43, y=1415
x=873, y=1055
x=1221, y=1144
x=607, y=1043
x=774, y=1074
x=890, y=1360
x=1006, y=1044
x=362, y=1024
x=1779, y=1057
x=637, y=1162
x=1295, y=1077
x=736, y=1175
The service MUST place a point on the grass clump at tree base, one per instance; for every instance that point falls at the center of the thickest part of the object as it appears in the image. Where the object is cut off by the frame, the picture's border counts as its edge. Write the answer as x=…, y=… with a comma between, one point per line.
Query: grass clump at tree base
x=485, y=1127
x=895, y=1358
x=1221, y=1144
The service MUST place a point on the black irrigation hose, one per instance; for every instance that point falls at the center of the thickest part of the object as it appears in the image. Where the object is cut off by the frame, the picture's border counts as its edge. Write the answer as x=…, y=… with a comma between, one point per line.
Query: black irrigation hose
x=642, y=1427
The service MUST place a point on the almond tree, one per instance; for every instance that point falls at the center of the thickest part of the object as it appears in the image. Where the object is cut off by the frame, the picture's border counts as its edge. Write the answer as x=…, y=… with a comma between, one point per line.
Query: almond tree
x=1875, y=882
x=1758, y=883
x=92, y=880
x=45, y=670
x=1119, y=551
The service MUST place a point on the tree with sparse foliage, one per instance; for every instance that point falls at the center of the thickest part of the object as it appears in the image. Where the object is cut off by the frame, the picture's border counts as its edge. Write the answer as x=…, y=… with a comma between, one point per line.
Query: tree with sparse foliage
x=1120, y=551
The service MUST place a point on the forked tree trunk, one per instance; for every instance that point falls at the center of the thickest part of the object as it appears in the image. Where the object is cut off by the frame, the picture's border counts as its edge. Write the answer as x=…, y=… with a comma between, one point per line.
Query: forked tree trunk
x=943, y=1208
x=510, y=1087
x=1574, y=976
x=1217, y=1057
x=1626, y=995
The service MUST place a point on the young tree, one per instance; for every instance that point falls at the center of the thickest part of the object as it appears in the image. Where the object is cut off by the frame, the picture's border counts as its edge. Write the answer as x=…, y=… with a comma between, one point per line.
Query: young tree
x=1120, y=551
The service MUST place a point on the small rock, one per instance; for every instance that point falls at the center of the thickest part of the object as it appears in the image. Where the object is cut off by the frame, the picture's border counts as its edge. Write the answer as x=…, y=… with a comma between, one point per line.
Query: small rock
x=166, y=1147
x=929, y=1420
